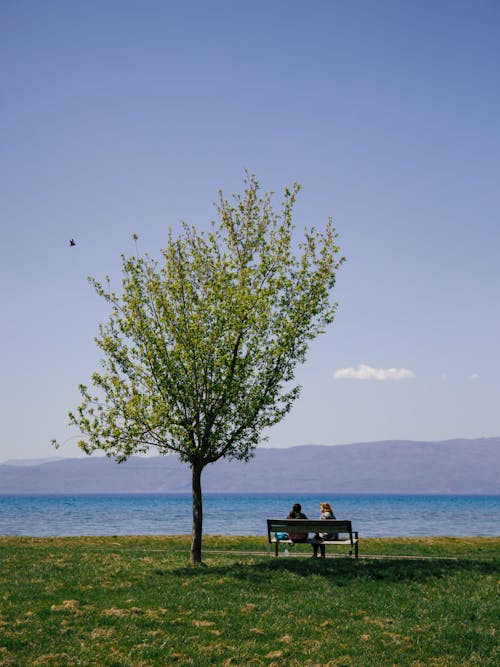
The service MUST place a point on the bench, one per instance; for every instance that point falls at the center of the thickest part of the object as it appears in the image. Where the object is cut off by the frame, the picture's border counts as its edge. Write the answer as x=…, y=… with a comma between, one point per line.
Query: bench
x=342, y=530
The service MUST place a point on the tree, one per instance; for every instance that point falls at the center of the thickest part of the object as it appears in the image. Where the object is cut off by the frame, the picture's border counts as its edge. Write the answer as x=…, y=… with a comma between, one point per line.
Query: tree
x=200, y=349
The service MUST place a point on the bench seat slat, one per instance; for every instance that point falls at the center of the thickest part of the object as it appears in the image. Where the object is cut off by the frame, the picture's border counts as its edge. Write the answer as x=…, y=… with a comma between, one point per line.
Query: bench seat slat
x=313, y=541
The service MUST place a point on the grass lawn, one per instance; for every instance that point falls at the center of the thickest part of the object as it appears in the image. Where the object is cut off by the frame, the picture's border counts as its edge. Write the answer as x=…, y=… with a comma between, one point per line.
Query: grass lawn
x=135, y=601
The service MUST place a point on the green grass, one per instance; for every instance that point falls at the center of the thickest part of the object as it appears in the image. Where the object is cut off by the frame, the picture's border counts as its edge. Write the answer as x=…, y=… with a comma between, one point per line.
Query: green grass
x=135, y=601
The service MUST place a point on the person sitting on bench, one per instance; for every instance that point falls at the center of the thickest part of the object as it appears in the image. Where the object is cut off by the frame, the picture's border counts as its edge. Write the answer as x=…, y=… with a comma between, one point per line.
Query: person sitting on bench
x=297, y=513
x=326, y=512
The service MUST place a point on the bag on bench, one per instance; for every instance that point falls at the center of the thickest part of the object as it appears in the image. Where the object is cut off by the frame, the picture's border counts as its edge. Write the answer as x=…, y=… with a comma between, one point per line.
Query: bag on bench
x=281, y=536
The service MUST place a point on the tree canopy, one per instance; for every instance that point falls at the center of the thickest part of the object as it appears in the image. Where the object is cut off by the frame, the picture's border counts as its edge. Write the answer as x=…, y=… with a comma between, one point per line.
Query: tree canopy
x=200, y=348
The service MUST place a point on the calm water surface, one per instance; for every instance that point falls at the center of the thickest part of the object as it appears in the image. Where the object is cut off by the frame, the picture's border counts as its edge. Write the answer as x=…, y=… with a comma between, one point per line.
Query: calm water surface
x=230, y=514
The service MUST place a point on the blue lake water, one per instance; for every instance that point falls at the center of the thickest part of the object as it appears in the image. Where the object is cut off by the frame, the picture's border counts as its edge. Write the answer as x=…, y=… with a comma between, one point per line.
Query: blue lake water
x=372, y=515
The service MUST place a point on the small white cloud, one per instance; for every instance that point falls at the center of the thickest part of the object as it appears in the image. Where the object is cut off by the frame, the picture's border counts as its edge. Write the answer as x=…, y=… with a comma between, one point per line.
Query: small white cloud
x=365, y=372
x=475, y=376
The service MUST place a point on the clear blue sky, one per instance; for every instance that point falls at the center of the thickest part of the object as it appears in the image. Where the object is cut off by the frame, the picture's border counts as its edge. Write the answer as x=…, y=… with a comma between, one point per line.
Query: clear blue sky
x=125, y=116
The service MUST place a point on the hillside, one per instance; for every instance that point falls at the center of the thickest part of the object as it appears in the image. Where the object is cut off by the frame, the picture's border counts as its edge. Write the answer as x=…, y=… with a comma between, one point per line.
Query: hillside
x=449, y=467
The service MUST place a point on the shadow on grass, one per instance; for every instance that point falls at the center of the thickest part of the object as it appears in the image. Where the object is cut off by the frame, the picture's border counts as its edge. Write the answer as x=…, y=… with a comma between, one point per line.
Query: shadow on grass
x=344, y=570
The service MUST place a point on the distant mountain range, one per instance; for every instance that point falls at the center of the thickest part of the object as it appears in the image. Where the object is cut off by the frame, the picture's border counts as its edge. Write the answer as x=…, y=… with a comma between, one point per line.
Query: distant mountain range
x=449, y=467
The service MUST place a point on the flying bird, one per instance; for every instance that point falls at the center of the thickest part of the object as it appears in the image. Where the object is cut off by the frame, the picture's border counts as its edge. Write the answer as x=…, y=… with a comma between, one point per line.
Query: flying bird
x=72, y=242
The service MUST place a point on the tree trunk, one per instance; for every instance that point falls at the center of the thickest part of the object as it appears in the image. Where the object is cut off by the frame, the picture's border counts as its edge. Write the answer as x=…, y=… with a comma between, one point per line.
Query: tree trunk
x=196, y=533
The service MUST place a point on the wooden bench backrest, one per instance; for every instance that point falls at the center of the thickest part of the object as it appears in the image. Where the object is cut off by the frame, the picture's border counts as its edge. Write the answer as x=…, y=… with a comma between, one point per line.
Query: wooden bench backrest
x=308, y=526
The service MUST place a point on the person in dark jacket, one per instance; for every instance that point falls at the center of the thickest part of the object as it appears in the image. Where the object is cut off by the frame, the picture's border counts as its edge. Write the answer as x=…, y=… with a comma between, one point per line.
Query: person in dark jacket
x=297, y=513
